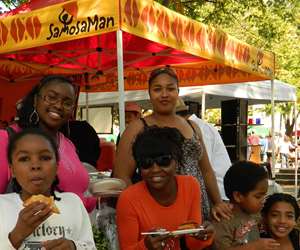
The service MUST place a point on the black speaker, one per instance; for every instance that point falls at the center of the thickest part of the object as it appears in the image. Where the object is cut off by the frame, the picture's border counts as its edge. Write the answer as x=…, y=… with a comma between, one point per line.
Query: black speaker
x=234, y=128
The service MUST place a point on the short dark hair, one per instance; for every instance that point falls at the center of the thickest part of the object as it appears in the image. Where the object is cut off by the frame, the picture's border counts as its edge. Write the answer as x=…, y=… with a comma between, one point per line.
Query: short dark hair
x=155, y=141
x=165, y=70
x=243, y=177
x=27, y=103
x=13, y=140
x=29, y=131
x=280, y=197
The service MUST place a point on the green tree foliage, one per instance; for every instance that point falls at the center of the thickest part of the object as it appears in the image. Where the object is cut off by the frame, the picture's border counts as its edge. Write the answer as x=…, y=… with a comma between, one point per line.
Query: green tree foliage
x=11, y=4
x=272, y=25
x=213, y=116
x=287, y=111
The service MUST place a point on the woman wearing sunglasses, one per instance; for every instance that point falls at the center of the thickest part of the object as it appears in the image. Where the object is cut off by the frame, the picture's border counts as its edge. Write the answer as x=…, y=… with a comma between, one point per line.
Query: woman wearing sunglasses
x=163, y=200
x=163, y=92
x=49, y=106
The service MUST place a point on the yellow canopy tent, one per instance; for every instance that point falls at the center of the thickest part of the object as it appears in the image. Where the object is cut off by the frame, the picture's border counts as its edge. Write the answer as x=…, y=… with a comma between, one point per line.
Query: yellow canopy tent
x=112, y=45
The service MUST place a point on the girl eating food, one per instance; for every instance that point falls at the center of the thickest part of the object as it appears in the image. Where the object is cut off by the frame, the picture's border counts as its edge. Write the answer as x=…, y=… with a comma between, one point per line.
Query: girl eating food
x=35, y=216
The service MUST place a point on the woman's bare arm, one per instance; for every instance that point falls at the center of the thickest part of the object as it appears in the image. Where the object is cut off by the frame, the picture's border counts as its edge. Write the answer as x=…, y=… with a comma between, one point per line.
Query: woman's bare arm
x=124, y=166
x=219, y=207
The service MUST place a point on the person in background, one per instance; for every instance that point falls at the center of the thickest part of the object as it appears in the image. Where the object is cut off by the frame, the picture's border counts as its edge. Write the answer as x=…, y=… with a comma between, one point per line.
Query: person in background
x=273, y=186
x=263, y=142
x=49, y=106
x=284, y=148
x=253, y=139
x=280, y=214
x=87, y=143
x=254, y=148
x=33, y=157
x=269, y=149
x=249, y=151
x=163, y=200
x=163, y=92
x=213, y=142
x=132, y=112
x=246, y=185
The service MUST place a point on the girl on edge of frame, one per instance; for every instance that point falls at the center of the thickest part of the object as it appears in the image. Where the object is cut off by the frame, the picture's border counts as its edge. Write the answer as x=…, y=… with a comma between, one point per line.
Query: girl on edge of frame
x=33, y=158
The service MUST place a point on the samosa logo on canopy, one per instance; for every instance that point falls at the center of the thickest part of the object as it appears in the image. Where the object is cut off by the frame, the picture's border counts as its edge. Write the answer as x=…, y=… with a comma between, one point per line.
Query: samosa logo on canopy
x=71, y=27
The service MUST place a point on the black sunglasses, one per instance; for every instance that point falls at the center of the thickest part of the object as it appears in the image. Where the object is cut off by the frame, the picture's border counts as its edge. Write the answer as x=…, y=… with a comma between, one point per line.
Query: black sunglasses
x=162, y=161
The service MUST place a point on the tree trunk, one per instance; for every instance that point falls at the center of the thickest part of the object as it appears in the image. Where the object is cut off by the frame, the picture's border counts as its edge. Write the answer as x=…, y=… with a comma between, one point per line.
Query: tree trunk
x=289, y=127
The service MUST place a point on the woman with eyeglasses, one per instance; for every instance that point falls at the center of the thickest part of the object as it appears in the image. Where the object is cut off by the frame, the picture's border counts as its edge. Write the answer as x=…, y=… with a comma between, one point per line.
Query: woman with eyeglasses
x=49, y=106
x=163, y=200
x=163, y=88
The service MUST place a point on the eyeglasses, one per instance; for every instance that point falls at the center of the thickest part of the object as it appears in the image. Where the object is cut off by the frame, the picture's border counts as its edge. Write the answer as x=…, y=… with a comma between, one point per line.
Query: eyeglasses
x=163, y=161
x=52, y=99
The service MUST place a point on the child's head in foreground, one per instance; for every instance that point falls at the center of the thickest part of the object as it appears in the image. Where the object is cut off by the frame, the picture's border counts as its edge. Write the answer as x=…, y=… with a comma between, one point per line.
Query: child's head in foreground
x=33, y=156
x=280, y=213
x=246, y=185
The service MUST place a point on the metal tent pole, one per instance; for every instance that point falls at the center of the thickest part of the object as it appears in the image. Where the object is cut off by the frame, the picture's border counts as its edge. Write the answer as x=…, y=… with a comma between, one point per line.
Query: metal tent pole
x=296, y=150
x=272, y=128
x=121, y=80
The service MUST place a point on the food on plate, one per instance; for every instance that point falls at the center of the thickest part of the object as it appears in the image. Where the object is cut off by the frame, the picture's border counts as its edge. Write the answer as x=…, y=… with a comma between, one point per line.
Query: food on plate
x=185, y=228
x=43, y=199
x=188, y=225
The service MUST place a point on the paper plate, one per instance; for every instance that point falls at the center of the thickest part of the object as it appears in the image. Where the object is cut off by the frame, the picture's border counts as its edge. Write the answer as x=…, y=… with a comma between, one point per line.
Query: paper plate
x=107, y=185
x=175, y=232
